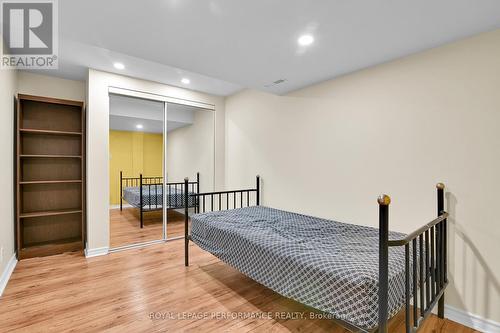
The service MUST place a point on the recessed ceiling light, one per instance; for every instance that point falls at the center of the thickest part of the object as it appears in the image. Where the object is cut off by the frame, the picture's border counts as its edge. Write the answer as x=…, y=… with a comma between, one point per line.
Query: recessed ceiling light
x=119, y=65
x=305, y=40
x=139, y=126
x=185, y=81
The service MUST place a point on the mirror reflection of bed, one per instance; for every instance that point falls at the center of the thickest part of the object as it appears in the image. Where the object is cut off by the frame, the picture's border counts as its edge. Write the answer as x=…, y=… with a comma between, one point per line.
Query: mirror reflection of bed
x=136, y=161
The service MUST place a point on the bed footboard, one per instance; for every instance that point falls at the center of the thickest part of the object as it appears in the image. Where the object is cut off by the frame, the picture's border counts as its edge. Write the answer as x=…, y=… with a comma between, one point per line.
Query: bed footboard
x=221, y=200
x=150, y=186
x=427, y=280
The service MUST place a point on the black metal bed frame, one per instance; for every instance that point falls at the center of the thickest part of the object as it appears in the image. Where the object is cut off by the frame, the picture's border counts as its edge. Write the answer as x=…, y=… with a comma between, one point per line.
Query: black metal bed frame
x=425, y=283
x=146, y=183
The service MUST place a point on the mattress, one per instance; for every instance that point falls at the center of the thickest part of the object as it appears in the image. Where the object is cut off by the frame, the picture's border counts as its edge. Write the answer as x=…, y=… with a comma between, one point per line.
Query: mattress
x=328, y=265
x=152, y=197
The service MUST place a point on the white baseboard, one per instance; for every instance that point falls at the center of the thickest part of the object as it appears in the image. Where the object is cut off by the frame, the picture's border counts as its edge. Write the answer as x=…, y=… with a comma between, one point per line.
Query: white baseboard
x=7, y=273
x=471, y=320
x=100, y=251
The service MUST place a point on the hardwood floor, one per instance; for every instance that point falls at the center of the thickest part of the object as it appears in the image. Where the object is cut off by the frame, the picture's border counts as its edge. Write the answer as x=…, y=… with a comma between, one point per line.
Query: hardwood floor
x=121, y=291
x=125, y=226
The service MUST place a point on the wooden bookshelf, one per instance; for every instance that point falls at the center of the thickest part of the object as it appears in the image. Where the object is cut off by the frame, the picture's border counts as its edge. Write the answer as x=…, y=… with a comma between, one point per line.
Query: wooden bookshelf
x=50, y=176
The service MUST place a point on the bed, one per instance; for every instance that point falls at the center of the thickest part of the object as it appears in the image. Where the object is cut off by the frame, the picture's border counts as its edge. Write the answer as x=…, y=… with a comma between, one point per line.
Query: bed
x=360, y=276
x=146, y=194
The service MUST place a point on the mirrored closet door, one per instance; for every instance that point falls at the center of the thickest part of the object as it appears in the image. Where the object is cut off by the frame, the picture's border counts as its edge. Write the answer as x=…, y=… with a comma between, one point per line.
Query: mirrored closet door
x=190, y=153
x=136, y=155
x=154, y=145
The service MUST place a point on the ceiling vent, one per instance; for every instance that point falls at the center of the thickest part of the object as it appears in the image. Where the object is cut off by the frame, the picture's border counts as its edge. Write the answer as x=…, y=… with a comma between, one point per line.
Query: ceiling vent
x=275, y=83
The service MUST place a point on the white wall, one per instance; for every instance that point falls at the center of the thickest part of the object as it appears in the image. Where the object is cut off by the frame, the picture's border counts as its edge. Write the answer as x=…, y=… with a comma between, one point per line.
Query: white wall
x=98, y=144
x=190, y=149
x=8, y=84
x=329, y=150
x=49, y=86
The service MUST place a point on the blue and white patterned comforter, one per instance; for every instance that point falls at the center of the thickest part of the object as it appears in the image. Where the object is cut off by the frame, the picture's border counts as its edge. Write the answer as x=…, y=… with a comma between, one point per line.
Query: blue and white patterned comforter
x=328, y=265
x=152, y=197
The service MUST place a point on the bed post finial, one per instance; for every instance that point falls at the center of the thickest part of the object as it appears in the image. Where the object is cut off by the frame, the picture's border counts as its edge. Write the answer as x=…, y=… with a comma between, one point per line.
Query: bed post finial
x=384, y=200
x=440, y=186
x=186, y=221
x=383, y=270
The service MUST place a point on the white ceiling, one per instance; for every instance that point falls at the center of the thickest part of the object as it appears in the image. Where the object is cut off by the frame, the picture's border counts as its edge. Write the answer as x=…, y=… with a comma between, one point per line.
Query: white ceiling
x=127, y=112
x=226, y=45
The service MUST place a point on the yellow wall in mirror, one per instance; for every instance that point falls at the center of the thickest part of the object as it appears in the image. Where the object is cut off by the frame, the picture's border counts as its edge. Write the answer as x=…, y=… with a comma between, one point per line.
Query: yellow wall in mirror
x=133, y=153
